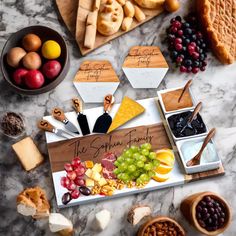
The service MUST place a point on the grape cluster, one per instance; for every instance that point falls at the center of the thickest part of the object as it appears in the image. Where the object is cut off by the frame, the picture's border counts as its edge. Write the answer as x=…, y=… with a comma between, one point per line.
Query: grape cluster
x=136, y=164
x=187, y=46
x=74, y=178
x=210, y=213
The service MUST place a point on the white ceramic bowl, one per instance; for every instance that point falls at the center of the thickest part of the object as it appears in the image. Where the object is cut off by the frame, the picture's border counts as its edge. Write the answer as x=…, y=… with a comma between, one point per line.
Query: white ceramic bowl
x=187, y=137
x=203, y=166
x=159, y=94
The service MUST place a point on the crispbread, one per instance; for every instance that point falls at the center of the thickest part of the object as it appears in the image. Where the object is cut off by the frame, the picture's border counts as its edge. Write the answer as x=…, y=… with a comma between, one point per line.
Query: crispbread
x=218, y=18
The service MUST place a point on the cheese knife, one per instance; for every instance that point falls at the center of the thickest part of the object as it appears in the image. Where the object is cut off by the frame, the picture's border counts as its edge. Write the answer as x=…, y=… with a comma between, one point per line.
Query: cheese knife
x=82, y=119
x=103, y=122
x=59, y=115
x=46, y=126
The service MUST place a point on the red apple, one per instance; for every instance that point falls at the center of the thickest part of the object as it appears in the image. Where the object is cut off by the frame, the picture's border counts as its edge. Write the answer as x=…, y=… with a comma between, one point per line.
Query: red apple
x=51, y=69
x=18, y=76
x=34, y=79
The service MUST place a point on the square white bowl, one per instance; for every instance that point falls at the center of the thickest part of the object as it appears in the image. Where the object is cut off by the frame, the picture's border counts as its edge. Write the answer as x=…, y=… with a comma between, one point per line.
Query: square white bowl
x=187, y=137
x=198, y=168
x=159, y=93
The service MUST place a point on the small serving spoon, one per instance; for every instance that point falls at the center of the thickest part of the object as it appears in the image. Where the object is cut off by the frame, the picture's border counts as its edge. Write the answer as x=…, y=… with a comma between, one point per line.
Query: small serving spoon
x=186, y=88
x=196, y=160
x=192, y=117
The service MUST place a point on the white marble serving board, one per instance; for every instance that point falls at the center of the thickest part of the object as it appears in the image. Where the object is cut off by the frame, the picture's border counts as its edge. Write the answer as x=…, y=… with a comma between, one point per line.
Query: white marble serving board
x=150, y=116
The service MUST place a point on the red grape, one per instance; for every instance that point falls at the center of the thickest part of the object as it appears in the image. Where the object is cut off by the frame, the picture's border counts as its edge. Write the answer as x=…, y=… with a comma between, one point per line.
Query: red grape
x=68, y=167
x=71, y=186
x=79, y=182
x=71, y=175
x=80, y=170
x=76, y=162
x=65, y=182
x=75, y=194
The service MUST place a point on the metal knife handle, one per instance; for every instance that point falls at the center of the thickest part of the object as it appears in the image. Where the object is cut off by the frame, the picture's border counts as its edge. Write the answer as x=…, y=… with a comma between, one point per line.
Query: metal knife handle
x=108, y=102
x=77, y=104
x=58, y=114
x=45, y=125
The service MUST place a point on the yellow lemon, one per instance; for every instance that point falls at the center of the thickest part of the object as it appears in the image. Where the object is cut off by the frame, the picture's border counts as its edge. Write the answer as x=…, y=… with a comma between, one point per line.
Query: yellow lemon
x=163, y=169
x=51, y=49
x=161, y=177
x=166, y=156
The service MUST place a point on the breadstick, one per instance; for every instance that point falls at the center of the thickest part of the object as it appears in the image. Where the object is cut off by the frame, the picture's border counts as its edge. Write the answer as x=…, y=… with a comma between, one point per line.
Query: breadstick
x=126, y=24
x=139, y=14
x=92, y=18
x=96, y=5
x=129, y=9
x=90, y=36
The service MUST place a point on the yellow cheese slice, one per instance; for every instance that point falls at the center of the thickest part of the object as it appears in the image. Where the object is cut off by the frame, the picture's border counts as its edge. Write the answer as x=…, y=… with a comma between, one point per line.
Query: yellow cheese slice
x=128, y=110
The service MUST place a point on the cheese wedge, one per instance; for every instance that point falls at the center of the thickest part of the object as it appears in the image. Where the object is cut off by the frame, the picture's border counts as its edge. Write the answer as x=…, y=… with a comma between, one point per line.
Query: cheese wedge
x=128, y=110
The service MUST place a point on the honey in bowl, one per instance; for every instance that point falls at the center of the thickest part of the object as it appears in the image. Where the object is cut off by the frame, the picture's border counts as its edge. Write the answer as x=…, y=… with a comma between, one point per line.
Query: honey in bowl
x=172, y=103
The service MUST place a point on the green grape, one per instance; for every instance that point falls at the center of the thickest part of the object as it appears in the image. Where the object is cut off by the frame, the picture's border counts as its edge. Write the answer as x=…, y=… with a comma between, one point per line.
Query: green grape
x=136, y=156
x=152, y=155
x=145, y=152
x=123, y=166
x=151, y=173
x=147, y=146
x=134, y=148
x=131, y=168
x=144, y=177
x=136, y=174
x=143, y=158
x=125, y=177
x=128, y=153
x=156, y=163
x=119, y=176
x=116, y=171
x=129, y=160
x=140, y=164
x=148, y=166
x=120, y=159
x=117, y=163
x=139, y=181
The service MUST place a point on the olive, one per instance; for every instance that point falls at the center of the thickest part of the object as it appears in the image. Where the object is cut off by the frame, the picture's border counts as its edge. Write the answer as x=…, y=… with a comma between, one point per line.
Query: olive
x=66, y=198
x=84, y=190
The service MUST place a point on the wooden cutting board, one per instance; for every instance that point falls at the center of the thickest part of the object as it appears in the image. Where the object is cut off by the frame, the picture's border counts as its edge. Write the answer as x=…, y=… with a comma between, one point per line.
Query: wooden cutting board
x=69, y=11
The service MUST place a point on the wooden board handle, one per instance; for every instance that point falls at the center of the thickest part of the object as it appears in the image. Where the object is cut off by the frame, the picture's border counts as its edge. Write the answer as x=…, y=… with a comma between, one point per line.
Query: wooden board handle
x=108, y=102
x=77, y=104
x=45, y=125
x=58, y=114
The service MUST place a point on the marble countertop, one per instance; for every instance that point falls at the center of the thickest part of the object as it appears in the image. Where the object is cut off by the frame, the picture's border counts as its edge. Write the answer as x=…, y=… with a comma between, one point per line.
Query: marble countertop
x=216, y=88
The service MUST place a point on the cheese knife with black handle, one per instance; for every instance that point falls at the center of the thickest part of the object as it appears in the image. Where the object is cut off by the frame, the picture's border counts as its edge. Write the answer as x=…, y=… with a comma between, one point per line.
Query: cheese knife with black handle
x=82, y=119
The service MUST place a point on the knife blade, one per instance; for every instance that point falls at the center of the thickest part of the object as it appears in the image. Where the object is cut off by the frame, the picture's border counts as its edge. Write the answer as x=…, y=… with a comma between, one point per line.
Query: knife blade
x=103, y=122
x=46, y=126
x=59, y=115
x=82, y=119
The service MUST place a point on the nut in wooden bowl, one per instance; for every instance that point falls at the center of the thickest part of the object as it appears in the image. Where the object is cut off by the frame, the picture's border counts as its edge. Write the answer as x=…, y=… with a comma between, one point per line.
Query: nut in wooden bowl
x=209, y=213
x=161, y=225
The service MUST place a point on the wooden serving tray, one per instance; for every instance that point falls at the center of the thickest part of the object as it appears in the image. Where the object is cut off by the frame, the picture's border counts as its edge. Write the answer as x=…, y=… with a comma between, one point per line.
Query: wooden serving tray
x=75, y=17
x=148, y=127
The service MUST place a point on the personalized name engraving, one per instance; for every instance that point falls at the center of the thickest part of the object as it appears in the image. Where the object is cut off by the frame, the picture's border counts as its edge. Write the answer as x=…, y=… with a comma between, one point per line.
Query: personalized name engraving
x=93, y=147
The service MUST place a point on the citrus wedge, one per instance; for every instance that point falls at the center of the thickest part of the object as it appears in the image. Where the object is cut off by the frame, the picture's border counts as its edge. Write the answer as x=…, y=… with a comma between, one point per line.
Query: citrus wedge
x=163, y=169
x=161, y=177
x=166, y=156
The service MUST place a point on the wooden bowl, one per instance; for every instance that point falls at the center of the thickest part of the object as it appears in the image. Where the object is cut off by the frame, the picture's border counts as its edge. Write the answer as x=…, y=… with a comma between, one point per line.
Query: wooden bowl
x=188, y=208
x=159, y=219
x=45, y=33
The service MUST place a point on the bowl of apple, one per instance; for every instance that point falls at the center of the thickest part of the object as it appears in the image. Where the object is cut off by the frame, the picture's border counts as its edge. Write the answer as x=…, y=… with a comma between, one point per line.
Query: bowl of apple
x=34, y=60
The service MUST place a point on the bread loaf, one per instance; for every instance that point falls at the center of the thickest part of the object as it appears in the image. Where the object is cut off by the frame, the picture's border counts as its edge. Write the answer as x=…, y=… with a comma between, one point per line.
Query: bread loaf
x=126, y=24
x=139, y=14
x=110, y=17
x=129, y=9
